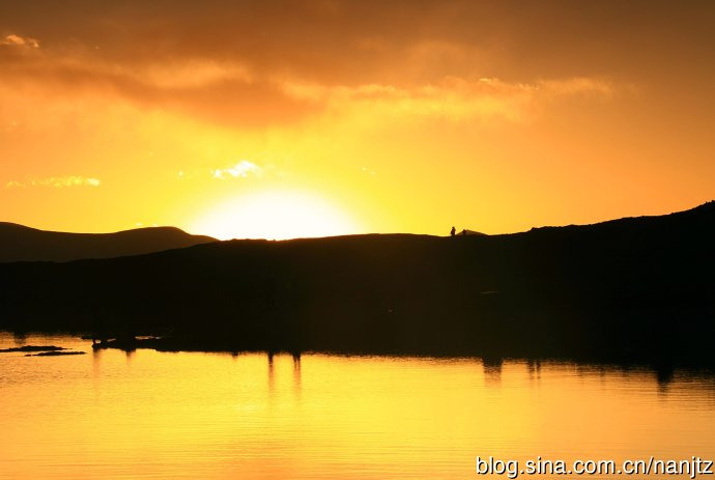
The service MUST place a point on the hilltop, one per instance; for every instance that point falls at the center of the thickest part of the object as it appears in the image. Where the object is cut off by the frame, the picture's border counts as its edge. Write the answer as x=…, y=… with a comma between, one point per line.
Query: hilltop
x=21, y=243
x=637, y=289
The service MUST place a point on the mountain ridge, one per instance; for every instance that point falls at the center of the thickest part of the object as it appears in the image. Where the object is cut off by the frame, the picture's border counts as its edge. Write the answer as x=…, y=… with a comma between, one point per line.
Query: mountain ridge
x=20, y=243
x=631, y=290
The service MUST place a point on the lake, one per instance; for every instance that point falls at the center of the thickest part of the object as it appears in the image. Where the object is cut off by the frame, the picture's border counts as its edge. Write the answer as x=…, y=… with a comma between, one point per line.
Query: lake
x=146, y=414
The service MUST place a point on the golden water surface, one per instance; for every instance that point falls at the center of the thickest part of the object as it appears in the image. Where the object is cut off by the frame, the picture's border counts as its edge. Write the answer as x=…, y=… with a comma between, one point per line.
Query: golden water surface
x=112, y=415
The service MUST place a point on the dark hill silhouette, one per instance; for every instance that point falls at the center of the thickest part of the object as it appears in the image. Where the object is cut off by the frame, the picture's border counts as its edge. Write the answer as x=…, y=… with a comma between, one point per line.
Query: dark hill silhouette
x=470, y=232
x=637, y=289
x=20, y=243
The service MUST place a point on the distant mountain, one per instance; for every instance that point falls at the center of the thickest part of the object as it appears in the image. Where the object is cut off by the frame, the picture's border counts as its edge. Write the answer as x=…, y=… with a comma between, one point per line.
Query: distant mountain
x=470, y=232
x=20, y=243
x=630, y=290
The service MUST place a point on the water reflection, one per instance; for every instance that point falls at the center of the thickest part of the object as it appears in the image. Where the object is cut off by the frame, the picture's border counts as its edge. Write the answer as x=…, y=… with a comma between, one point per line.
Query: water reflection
x=296, y=374
x=129, y=354
x=97, y=362
x=296, y=377
x=271, y=374
x=20, y=338
x=534, y=369
x=270, y=416
x=664, y=374
x=492, y=370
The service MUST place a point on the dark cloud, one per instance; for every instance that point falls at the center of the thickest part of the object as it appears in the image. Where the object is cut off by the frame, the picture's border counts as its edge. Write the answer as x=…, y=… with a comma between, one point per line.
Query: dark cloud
x=326, y=40
x=112, y=45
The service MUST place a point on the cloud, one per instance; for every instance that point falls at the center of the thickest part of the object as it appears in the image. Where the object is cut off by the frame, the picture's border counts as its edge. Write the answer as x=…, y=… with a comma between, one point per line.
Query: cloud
x=13, y=40
x=580, y=86
x=193, y=73
x=78, y=87
x=452, y=98
x=345, y=41
x=56, y=182
x=280, y=70
x=223, y=92
x=242, y=169
x=263, y=64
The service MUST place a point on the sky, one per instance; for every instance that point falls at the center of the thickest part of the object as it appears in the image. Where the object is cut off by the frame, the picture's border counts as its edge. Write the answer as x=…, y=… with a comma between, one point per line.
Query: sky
x=280, y=119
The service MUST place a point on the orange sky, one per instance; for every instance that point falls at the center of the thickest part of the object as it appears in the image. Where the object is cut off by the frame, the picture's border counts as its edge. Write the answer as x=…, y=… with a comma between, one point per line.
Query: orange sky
x=316, y=117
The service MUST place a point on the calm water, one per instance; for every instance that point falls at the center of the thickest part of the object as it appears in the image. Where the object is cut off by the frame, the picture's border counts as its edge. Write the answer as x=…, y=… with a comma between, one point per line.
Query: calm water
x=111, y=415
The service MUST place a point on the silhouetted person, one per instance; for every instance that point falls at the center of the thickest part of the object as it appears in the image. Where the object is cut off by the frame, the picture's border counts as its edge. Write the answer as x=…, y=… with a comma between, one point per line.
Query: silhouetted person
x=453, y=232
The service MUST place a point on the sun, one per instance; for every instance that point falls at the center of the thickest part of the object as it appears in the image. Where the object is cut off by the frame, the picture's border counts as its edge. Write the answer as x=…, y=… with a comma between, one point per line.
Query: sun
x=275, y=215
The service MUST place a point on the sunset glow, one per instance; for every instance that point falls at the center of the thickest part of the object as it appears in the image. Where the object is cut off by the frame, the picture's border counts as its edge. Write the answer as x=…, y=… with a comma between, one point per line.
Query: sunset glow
x=357, y=239
x=274, y=215
x=403, y=116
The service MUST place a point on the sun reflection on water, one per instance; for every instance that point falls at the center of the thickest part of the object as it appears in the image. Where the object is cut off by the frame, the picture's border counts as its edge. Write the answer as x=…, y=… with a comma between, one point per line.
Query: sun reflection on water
x=216, y=416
